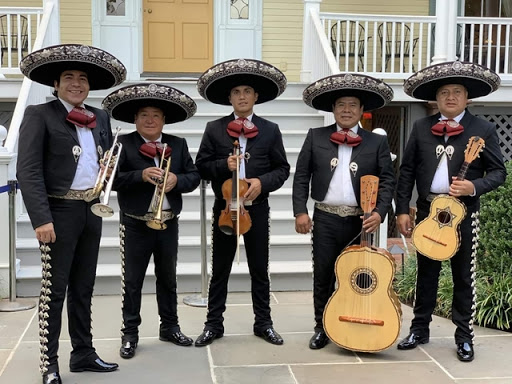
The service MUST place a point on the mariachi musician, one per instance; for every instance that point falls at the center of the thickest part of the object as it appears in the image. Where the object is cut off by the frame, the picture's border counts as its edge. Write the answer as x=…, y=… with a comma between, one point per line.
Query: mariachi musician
x=333, y=159
x=432, y=159
x=60, y=145
x=155, y=168
x=262, y=164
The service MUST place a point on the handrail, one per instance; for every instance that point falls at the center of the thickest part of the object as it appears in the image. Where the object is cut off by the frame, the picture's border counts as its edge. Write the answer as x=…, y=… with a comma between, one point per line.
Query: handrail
x=322, y=39
x=26, y=85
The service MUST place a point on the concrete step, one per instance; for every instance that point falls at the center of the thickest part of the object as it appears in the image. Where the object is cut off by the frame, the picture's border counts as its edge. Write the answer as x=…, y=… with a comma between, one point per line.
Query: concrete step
x=282, y=248
x=293, y=129
x=293, y=90
x=282, y=223
x=285, y=276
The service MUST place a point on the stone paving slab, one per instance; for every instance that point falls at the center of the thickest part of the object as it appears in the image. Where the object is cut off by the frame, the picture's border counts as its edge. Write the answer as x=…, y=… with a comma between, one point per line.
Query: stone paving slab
x=241, y=357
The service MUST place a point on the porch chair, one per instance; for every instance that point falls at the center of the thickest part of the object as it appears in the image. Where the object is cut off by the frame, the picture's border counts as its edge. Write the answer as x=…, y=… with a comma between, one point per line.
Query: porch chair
x=387, y=45
x=351, y=37
x=16, y=41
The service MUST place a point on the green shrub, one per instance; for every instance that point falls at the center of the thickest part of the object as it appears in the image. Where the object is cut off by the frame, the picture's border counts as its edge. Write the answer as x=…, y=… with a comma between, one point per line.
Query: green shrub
x=495, y=245
x=494, y=301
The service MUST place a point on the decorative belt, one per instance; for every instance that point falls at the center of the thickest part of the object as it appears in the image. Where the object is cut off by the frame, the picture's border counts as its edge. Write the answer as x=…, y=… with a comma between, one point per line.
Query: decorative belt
x=432, y=196
x=166, y=215
x=340, y=210
x=74, y=194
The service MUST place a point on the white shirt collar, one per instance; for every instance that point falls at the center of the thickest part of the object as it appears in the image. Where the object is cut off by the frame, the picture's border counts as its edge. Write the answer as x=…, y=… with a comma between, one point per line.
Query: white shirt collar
x=353, y=129
x=68, y=106
x=159, y=140
x=457, y=118
x=248, y=117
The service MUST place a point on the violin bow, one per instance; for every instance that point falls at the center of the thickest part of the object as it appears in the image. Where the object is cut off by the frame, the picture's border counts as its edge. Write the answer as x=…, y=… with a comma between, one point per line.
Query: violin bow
x=238, y=206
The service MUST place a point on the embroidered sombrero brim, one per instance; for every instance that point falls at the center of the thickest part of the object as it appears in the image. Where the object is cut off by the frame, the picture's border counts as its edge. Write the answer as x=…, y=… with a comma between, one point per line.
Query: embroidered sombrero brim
x=323, y=93
x=45, y=65
x=477, y=79
x=124, y=103
x=216, y=83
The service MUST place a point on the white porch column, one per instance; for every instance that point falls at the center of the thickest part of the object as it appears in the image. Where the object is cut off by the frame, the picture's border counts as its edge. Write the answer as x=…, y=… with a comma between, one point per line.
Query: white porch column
x=5, y=159
x=53, y=33
x=446, y=31
x=309, y=5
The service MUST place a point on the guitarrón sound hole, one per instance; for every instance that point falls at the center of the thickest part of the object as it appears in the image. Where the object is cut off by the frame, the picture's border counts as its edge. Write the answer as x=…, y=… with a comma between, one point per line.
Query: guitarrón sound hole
x=364, y=281
x=444, y=217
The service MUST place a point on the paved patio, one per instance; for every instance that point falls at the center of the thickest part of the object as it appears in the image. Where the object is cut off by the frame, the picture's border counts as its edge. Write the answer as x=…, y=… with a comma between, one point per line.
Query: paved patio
x=240, y=357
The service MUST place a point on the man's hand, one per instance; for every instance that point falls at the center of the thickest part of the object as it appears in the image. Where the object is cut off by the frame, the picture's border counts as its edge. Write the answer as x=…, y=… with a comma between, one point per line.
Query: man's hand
x=371, y=224
x=45, y=233
x=153, y=175
x=303, y=223
x=172, y=180
x=232, y=162
x=461, y=187
x=254, y=189
x=403, y=221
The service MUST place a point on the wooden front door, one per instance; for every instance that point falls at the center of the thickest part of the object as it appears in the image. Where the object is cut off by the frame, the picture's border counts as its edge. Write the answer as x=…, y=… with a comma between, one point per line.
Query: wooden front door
x=178, y=35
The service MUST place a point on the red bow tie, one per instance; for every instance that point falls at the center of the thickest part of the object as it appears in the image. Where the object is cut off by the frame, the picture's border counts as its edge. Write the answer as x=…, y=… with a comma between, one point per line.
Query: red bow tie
x=153, y=148
x=242, y=125
x=346, y=136
x=81, y=117
x=447, y=127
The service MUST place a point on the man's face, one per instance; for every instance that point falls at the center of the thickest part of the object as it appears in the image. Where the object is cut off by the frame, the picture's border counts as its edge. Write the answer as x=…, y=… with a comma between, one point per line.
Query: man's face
x=452, y=100
x=72, y=87
x=149, y=122
x=347, y=111
x=243, y=98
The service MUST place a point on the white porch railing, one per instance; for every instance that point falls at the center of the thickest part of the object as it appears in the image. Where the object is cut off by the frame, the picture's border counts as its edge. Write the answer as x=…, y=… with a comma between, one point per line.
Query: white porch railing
x=18, y=30
x=381, y=46
x=31, y=93
x=394, y=47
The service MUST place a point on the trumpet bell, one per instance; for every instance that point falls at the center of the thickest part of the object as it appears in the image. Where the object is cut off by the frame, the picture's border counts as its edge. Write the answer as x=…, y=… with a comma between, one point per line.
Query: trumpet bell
x=156, y=224
x=102, y=210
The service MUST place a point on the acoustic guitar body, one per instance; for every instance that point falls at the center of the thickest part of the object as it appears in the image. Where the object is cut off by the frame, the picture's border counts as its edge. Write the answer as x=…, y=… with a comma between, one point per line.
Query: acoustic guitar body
x=364, y=313
x=437, y=236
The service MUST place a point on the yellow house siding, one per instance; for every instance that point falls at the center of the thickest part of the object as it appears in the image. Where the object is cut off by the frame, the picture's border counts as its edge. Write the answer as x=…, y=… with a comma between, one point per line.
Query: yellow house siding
x=75, y=22
x=377, y=7
x=282, y=35
x=21, y=3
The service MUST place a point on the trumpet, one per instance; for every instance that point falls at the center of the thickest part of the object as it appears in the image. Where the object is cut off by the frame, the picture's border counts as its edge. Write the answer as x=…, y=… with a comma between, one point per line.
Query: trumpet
x=110, y=160
x=158, y=196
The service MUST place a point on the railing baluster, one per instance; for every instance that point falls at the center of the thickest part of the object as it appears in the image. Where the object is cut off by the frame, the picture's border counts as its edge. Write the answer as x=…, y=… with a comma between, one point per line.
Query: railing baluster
x=507, y=48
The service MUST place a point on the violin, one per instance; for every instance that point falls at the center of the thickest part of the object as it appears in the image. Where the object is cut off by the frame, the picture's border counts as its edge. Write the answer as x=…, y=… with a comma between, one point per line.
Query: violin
x=234, y=218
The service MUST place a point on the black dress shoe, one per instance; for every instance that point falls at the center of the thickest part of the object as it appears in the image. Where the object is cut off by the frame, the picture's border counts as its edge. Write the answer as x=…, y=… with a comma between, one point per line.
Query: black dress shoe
x=319, y=340
x=207, y=338
x=52, y=378
x=411, y=341
x=127, y=350
x=177, y=338
x=465, y=352
x=96, y=365
x=271, y=336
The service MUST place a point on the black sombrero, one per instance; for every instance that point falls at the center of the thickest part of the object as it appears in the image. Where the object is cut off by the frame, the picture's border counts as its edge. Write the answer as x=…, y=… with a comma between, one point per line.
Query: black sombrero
x=217, y=82
x=372, y=93
x=124, y=103
x=477, y=79
x=45, y=65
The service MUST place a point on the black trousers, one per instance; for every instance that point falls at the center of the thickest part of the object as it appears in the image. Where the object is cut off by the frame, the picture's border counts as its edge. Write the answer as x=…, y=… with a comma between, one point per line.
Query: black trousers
x=257, y=250
x=70, y=269
x=463, y=265
x=140, y=242
x=331, y=234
